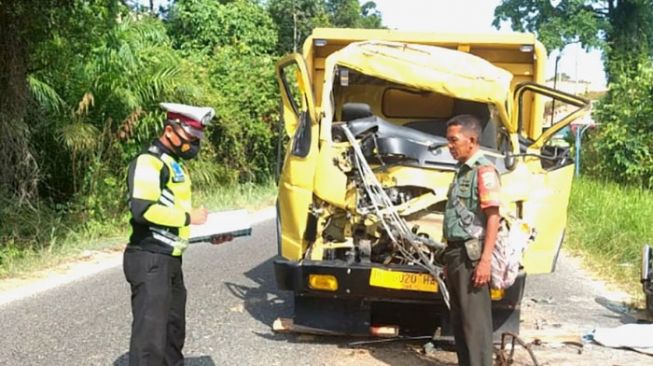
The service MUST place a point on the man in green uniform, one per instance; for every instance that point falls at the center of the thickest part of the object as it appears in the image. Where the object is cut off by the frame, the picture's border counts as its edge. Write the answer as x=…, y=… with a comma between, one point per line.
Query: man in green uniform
x=160, y=204
x=471, y=222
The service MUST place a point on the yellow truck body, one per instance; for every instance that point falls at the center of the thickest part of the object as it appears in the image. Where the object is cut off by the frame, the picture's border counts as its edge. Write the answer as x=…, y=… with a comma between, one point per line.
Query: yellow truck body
x=395, y=91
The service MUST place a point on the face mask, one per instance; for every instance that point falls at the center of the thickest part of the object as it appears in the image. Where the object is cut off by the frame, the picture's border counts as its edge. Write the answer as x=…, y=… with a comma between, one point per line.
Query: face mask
x=187, y=149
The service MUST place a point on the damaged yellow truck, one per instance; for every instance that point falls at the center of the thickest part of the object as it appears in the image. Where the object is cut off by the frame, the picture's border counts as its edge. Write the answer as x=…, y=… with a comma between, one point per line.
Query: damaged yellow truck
x=366, y=170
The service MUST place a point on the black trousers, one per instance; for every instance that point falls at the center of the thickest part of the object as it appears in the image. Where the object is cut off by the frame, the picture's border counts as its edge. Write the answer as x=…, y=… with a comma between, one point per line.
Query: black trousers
x=158, y=307
x=471, y=310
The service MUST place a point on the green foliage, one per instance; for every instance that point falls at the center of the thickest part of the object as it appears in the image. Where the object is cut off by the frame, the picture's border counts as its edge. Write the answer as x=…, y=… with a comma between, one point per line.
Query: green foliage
x=623, y=29
x=244, y=136
x=207, y=25
x=622, y=147
x=239, y=70
x=297, y=18
x=81, y=89
x=344, y=13
x=557, y=26
x=608, y=224
x=106, y=102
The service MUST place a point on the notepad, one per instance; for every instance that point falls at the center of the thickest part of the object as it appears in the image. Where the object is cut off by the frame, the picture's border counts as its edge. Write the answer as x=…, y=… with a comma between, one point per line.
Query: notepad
x=235, y=223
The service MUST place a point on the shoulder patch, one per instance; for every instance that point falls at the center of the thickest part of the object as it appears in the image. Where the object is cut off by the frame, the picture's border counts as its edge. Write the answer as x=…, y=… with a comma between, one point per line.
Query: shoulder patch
x=488, y=177
x=489, y=186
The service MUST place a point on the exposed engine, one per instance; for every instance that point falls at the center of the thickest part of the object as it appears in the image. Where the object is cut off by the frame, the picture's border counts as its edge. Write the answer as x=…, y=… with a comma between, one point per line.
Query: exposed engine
x=389, y=223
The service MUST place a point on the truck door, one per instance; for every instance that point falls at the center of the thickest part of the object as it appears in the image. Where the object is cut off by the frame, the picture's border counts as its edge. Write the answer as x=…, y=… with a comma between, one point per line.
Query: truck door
x=551, y=171
x=296, y=175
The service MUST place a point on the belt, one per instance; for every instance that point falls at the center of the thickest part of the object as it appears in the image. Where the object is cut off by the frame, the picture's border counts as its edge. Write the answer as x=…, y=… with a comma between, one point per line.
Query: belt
x=456, y=243
x=133, y=248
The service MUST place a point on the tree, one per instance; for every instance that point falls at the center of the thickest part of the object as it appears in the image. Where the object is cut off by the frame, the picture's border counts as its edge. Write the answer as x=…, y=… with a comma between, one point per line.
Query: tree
x=296, y=19
x=371, y=16
x=23, y=34
x=20, y=30
x=234, y=41
x=208, y=24
x=344, y=13
x=623, y=29
x=622, y=148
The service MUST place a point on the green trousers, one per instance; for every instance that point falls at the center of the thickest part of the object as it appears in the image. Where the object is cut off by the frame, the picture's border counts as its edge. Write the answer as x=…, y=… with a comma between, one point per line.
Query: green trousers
x=471, y=312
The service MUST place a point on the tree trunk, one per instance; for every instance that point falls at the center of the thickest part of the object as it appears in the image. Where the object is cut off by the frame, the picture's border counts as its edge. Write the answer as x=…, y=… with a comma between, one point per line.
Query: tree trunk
x=630, y=41
x=19, y=171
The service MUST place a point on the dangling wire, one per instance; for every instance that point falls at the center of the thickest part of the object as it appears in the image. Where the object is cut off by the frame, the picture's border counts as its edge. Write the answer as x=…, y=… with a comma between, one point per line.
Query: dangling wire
x=395, y=226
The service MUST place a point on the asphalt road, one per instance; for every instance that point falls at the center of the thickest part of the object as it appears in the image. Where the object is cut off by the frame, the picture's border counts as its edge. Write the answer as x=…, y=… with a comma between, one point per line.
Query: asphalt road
x=232, y=304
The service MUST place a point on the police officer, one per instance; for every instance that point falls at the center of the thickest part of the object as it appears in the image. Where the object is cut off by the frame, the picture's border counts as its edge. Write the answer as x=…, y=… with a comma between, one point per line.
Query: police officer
x=471, y=222
x=160, y=204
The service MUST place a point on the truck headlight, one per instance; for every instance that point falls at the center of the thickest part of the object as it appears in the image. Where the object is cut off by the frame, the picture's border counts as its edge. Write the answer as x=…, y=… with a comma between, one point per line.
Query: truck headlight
x=497, y=294
x=323, y=282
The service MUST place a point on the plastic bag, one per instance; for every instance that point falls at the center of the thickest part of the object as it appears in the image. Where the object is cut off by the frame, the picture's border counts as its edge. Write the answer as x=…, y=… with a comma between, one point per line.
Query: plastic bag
x=513, y=237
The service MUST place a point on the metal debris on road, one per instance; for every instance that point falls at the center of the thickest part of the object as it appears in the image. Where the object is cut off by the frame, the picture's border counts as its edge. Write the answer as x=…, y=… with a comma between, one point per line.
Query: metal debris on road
x=506, y=358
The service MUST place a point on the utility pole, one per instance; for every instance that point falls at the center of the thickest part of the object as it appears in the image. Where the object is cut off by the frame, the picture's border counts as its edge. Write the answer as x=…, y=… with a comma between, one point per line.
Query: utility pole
x=294, y=27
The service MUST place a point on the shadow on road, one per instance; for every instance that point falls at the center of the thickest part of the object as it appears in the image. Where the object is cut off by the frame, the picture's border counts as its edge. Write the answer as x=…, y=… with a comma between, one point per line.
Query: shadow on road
x=265, y=303
x=625, y=313
x=123, y=360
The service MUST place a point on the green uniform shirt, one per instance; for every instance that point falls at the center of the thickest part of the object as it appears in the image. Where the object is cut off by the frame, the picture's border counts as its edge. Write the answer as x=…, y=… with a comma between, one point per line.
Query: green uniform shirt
x=464, y=188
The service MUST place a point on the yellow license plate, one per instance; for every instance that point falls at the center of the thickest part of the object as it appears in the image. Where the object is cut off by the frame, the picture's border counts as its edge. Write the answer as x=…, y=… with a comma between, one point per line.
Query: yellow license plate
x=403, y=280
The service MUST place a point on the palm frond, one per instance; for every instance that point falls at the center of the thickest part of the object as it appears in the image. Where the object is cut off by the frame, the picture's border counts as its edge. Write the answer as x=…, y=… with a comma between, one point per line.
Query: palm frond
x=45, y=95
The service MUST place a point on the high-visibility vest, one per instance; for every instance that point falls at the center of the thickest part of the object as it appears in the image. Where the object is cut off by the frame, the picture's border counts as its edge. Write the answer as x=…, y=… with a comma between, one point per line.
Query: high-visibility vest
x=160, y=202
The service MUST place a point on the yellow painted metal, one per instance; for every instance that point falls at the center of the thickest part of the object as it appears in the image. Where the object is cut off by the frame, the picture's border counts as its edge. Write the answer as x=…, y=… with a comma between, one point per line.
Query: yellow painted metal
x=501, y=49
x=541, y=196
x=546, y=210
x=403, y=280
x=339, y=36
x=330, y=182
x=297, y=176
x=427, y=68
x=409, y=176
x=504, y=50
x=533, y=124
x=323, y=282
x=533, y=129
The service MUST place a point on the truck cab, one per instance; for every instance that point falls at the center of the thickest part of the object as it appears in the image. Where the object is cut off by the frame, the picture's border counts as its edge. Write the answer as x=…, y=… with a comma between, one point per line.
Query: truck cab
x=366, y=169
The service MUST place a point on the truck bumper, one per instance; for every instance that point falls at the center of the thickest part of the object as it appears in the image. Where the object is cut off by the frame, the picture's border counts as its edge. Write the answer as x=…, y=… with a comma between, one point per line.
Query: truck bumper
x=355, y=305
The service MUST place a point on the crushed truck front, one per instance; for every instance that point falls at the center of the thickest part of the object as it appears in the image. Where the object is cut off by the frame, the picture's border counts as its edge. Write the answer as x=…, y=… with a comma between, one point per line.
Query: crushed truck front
x=390, y=100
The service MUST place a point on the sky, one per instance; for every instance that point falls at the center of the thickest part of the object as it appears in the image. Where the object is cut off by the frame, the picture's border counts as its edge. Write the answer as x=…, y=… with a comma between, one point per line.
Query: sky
x=475, y=16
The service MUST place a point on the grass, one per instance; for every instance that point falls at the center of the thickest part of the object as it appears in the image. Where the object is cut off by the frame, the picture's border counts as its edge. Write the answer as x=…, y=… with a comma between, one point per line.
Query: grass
x=62, y=238
x=249, y=196
x=608, y=225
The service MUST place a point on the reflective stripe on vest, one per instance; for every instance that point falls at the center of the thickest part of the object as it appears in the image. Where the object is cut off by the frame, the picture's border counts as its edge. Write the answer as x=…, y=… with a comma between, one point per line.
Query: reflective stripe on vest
x=177, y=191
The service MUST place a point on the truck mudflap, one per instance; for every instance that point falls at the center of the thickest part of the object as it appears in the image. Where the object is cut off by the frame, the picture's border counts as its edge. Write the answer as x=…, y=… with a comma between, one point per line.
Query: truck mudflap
x=354, y=306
